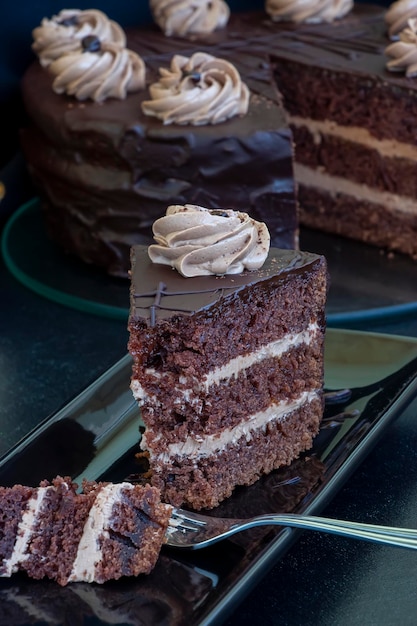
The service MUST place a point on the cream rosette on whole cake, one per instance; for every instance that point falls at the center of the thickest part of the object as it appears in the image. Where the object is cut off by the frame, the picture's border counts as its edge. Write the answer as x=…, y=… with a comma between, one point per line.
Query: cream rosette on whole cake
x=197, y=90
x=187, y=17
x=200, y=242
x=101, y=71
x=404, y=51
x=397, y=16
x=312, y=11
x=63, y=33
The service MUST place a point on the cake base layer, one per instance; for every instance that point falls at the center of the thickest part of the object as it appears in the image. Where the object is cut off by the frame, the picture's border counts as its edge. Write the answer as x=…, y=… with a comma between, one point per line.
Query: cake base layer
x=209, y=480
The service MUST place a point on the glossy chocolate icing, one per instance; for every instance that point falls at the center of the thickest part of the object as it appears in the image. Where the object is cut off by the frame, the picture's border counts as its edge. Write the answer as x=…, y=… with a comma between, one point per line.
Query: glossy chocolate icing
x=107, y=171
x=159, y=292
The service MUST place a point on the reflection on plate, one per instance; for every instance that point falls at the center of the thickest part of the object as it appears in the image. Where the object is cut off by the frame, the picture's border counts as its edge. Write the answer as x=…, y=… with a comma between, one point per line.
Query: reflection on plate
x=96, y=436
x=365, y=283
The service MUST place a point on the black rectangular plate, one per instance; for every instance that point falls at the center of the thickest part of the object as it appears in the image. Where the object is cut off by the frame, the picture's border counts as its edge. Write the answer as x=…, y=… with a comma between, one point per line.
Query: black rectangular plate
x=96, y=436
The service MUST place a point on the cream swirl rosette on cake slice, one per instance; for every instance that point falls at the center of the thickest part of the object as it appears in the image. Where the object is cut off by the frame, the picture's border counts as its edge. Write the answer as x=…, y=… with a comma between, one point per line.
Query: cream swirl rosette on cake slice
x=398, y=14
x=312, y=11
x=101, y=71
x=404, y=51
x=186, y=17
x=198, y=90
x=199, y=242
x=63, y=33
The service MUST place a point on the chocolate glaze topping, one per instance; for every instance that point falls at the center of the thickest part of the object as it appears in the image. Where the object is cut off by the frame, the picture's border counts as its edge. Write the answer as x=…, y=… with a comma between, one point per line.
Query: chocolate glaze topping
x=159, y=292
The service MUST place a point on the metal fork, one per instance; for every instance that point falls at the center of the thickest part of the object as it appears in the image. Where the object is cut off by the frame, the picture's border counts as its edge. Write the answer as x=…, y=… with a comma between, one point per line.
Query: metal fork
x=193, y=530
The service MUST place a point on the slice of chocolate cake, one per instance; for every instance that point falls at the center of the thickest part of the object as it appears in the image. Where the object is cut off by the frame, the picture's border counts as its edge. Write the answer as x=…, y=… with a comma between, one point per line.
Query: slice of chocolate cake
x=227, y=369
x=107, y=531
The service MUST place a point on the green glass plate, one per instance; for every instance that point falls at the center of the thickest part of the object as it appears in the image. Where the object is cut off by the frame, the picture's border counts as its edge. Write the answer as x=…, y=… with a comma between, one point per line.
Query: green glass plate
x=366, y=284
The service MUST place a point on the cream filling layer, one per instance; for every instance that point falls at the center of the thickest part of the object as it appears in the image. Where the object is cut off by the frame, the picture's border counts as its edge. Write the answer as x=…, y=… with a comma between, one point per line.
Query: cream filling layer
x=195, y=448
x=233, y=368
x=89, y=552
x=363, y=193
x=25, y=532
x=385, y=147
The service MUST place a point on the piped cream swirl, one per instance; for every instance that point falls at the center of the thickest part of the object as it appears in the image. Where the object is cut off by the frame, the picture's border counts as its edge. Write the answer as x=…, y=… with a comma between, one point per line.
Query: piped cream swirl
x=398, y=14
x=63, y=33
x=108, y=72
x=197, y=90
x=312, y=11
x=186, y=17
x=198, y=242
x=404, y=51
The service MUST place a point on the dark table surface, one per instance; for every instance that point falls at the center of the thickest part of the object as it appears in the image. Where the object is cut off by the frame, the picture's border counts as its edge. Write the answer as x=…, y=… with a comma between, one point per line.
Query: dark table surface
x=49, y=353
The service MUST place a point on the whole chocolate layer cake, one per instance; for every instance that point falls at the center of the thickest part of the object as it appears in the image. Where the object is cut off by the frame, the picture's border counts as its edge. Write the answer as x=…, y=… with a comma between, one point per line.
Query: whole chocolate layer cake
x=228, y=371
x=106, y=171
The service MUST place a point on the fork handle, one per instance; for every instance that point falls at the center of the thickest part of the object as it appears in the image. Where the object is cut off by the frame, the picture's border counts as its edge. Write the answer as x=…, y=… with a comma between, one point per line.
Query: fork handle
x=403, y=537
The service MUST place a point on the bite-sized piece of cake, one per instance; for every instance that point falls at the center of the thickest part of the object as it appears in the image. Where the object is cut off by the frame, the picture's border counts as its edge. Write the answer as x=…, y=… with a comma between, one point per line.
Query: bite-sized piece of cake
x=13, y=503
x=227, y=367
x=107, y=531
x=106, y=171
